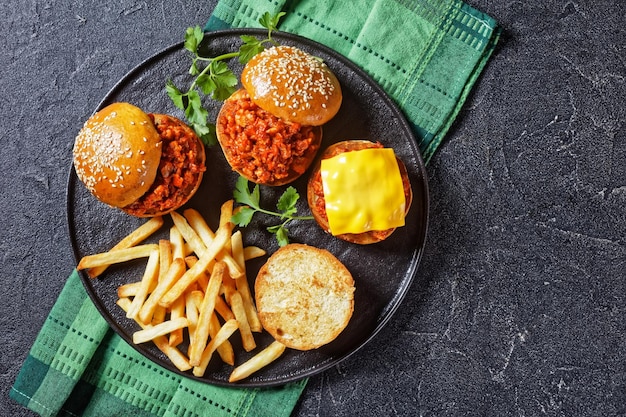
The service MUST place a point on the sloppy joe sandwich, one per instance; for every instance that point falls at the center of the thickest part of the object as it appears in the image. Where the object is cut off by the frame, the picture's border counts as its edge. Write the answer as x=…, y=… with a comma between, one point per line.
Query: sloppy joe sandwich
x=270, y=130
x=144, y=164
x=304, y=296
x=359, y=191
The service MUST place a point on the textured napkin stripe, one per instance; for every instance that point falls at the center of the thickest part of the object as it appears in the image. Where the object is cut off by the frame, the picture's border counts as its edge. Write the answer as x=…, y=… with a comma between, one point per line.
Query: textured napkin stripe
x=79, y=367
x=445, y=34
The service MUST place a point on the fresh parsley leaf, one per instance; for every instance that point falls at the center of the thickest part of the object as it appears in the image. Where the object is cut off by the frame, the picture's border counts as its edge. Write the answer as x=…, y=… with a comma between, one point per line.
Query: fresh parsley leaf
x=206, y=132
x=243, y=216
x=175, y=94
x=287, y=201
x=251, y=46
x=193, y=37
x=242, y=193
x=212, y=75
x=270, y=22
x=251, y=204
x=281, y=233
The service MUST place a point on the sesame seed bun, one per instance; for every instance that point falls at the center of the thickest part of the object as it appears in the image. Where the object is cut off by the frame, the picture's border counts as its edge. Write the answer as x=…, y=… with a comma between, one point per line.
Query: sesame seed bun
x=293, y=85
x=126, y=159
x=315, y=193
x=304, y=296
x=117, y=154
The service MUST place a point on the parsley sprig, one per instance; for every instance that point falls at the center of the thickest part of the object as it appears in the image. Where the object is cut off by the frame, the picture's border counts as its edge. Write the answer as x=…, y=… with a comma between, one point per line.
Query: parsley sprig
x=251, y=201
x=213, y=77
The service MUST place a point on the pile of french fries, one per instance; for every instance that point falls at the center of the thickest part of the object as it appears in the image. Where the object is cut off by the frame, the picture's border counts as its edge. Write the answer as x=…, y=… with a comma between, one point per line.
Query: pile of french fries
x=194, y=282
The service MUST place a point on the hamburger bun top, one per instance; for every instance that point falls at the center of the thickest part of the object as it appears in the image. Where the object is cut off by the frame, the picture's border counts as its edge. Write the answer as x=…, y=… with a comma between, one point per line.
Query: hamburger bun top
x=293, y=85
x=305, y=296
x=116, y=154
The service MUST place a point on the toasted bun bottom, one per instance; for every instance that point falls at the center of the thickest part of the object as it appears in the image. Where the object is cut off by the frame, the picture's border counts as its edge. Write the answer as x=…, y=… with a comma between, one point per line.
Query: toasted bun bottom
x=260, y=146
x=304, y=296
x=180, y=172
x=315, y=193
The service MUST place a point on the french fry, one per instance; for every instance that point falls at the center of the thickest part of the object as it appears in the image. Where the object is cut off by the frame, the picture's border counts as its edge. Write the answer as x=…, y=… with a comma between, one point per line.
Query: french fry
x=176, y=270
x=225, y=349
x=177, y=242
x=247, y=339
x=242, y=283
x=128, y=290
x=192, y=300
x=253, y=252
x=203, y=278
x=177, y=310
x=179, y=360
x=150, y=277
x=200, y=228
x=206, y=311
x=134, y=238
x=223, y=309
x=189, y=234
x=220, y=337
x=150, y=332
x=258, y=361
x=191, y=275
x=116, y=256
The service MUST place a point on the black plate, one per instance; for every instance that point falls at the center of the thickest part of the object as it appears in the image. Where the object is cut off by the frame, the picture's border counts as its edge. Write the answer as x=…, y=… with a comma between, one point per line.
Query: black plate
x=383, y=272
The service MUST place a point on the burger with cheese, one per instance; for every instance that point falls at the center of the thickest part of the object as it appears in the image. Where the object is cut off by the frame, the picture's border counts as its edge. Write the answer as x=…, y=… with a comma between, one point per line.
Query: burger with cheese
x=270, y=130
x=359, y=191
x=144, y=164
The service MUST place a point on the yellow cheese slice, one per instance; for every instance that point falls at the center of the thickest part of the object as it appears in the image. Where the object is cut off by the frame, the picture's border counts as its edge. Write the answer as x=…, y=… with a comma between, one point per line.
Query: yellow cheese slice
x=363, y=191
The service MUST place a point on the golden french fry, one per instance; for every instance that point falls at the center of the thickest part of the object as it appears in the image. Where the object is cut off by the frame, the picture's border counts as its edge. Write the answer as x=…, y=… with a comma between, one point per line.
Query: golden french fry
x=177, y=269
x=247, y=339
x=150, y=332
x=242, y=283
x=191, y=275
x=206, y=311
x=116, y=256
x=179, y=360
x=258, y=361
x=252, y=252
x=150, y=277
x=177, y=310
x=196, y=222
x=220, y=337
x=165, y=257
x=191, y=311
x=223, y=309
x=203, y=278
x=134, y=238
x=128, y=290
x=177, y=242
x=224, y=349
x=189, y=234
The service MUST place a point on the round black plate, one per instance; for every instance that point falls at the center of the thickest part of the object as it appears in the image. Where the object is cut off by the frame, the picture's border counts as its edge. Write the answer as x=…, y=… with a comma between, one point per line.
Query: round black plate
x=383, y=272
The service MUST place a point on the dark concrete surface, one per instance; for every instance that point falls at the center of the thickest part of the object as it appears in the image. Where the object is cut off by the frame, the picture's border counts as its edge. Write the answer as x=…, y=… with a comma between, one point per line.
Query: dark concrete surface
x=519, y=308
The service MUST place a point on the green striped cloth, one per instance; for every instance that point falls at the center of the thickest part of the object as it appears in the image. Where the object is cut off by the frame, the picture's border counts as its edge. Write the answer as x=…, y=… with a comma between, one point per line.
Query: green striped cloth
x=426, y=54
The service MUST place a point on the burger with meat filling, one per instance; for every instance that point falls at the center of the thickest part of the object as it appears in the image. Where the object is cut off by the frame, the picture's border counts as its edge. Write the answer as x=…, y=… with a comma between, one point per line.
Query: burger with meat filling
x=359, y=191
x=271, y=129
x=144, y=164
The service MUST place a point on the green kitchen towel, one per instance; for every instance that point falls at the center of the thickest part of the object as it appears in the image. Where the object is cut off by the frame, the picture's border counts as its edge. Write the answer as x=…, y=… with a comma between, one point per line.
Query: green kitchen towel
x=79, y=367
x=427, y=55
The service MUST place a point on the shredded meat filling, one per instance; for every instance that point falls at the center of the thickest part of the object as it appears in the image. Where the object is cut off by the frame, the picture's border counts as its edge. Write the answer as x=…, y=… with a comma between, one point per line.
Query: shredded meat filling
x=262, y=146
x=178, y=172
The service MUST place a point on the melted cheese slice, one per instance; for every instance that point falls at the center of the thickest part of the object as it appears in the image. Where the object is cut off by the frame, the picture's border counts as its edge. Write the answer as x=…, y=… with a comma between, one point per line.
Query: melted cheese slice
x=363, y=191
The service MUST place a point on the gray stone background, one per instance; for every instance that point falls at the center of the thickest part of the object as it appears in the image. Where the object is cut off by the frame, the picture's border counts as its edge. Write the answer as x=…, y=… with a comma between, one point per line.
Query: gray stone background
x=519, y=309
